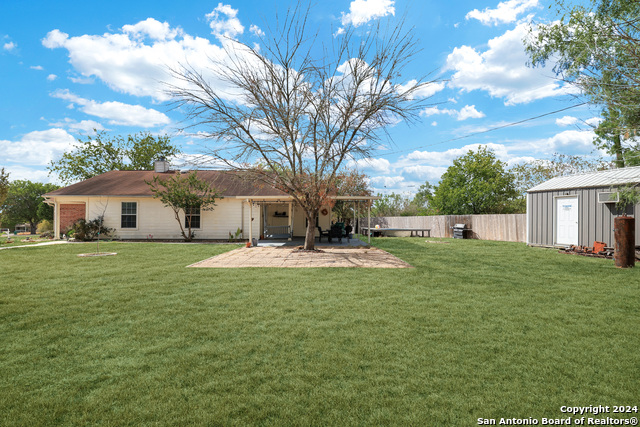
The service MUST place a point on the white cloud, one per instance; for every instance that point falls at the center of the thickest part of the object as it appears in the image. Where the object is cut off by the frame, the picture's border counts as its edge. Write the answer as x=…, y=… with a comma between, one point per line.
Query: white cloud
x=425, y=91
x=153, y=29
x=55, y=38
x=566, y=121
x=568, y=142
x=432, y=111
x=10, y=46
x=37, y=67
x=51, y=77
x=371, y=164
x=130, y=63
x=506, y=12
x=467, y=112
x=32, y=174
x=37, y=147
x=117, y=113
x=445, y=158
x=571, y=141
x=594, y=121
x=434, y=123
x=386, y=181
x=501, y=70
x=363, y=11
x=255, y=30
x=224, y=22
x=85, y=126
x=424, y=172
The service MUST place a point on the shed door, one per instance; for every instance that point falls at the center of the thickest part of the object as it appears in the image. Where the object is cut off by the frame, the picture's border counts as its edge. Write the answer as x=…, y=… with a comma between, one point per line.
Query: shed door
x=567, y=220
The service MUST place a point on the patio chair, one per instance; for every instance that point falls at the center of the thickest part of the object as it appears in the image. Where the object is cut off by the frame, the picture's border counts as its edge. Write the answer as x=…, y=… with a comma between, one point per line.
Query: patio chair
x=347, y=231
x=336, y=232
x=323, y=233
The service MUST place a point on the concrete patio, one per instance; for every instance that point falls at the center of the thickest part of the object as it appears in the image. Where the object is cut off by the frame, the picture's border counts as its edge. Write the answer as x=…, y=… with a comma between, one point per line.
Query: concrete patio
x=286, y=256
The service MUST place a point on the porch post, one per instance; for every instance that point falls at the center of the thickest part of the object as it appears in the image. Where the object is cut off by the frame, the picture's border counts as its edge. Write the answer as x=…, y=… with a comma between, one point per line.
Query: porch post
x=251, y=221
x=56, y=219
x=290, y=221
x=369, y=221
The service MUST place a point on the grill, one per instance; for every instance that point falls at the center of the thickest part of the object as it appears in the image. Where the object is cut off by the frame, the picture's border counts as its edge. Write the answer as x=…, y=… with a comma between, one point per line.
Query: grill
x=459, y=231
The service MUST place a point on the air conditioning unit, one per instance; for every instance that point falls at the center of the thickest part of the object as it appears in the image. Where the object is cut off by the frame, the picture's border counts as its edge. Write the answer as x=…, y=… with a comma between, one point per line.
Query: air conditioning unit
x=608, y=197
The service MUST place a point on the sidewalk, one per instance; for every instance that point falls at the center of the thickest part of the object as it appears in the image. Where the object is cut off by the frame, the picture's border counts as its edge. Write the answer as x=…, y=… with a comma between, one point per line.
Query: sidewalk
x=53, y=242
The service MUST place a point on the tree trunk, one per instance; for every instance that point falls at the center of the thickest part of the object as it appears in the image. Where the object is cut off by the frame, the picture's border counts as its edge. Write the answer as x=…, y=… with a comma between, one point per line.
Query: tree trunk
x=310, y=237
x=625, y=245
x=617, y=148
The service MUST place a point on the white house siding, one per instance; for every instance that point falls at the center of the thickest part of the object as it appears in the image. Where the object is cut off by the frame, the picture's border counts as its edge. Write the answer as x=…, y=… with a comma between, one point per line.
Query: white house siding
x=155, y=221
x=300, y=221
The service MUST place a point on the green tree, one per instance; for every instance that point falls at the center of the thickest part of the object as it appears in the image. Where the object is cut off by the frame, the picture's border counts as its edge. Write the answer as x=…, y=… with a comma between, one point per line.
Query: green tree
x=24, y=202
x=596, y=46
x=392, y=204
x=476, y=183
x=349, y=183
x=104, y=153
x=4, y=189
x=530, y=174
x=185, y=194
x=422, y=199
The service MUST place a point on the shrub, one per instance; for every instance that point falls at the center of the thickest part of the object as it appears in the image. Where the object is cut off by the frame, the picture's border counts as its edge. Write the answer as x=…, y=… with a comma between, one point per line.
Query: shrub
x=47, y=235
x=89, y=230
x=44, y=226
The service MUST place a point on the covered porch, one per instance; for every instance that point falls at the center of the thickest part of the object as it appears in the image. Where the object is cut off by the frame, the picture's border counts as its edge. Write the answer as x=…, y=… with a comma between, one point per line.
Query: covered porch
x=357, y=241
x=281, y=219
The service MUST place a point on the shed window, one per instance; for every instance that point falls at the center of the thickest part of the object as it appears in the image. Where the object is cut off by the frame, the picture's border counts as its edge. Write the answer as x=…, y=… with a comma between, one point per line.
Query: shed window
x=193, y=216
x=129, y=217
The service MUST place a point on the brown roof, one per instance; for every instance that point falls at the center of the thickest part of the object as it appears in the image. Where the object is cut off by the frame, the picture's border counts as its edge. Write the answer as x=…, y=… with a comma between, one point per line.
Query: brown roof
x=132, y=183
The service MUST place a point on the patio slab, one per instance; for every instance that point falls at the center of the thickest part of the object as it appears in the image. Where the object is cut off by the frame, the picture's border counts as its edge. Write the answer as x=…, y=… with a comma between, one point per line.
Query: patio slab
x=290, y=257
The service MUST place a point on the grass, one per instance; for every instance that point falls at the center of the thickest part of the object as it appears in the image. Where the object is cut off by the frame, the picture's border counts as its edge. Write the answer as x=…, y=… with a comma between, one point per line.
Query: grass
x=20, y=240
x=477, y=329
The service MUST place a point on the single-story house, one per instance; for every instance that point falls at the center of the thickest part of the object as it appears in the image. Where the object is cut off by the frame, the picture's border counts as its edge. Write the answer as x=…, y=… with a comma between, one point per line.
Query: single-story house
x=578, y=209
x=128, y=207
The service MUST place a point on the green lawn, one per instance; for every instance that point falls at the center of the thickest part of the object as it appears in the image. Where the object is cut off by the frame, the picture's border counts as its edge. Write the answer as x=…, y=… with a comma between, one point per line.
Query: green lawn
x=477, y=329
x=20, y=240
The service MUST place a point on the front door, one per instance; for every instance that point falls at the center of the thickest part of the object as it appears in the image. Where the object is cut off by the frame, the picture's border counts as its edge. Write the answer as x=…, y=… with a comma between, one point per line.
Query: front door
x=567, y=220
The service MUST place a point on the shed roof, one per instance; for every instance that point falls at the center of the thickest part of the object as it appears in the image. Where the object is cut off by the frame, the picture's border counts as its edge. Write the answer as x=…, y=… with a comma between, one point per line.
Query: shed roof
x=132, y=183
x=607, y=178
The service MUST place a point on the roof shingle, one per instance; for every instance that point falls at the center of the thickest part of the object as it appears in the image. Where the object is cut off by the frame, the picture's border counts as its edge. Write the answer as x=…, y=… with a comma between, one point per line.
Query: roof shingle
x=132, y=183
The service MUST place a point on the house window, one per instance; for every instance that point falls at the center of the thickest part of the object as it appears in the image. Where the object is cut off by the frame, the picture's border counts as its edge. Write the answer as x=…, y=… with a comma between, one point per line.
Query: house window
x=192, y=215
x=129, y=215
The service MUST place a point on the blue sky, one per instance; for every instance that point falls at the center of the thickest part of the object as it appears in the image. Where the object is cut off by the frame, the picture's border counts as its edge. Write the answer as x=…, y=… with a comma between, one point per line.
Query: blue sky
x=67, y=68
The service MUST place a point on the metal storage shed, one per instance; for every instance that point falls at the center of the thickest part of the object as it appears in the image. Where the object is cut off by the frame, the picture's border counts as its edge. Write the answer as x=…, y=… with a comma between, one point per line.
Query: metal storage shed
x=577, y=209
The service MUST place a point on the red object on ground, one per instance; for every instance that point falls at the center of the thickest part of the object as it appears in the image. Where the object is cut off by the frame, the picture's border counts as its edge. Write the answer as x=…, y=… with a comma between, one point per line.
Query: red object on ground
x=598, y=246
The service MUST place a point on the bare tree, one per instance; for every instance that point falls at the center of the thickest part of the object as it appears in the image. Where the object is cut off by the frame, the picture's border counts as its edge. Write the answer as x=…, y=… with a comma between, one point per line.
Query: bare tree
x=294, y=111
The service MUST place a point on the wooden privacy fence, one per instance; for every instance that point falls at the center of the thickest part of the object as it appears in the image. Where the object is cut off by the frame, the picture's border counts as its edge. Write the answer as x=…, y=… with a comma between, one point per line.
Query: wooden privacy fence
x=505, y=228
